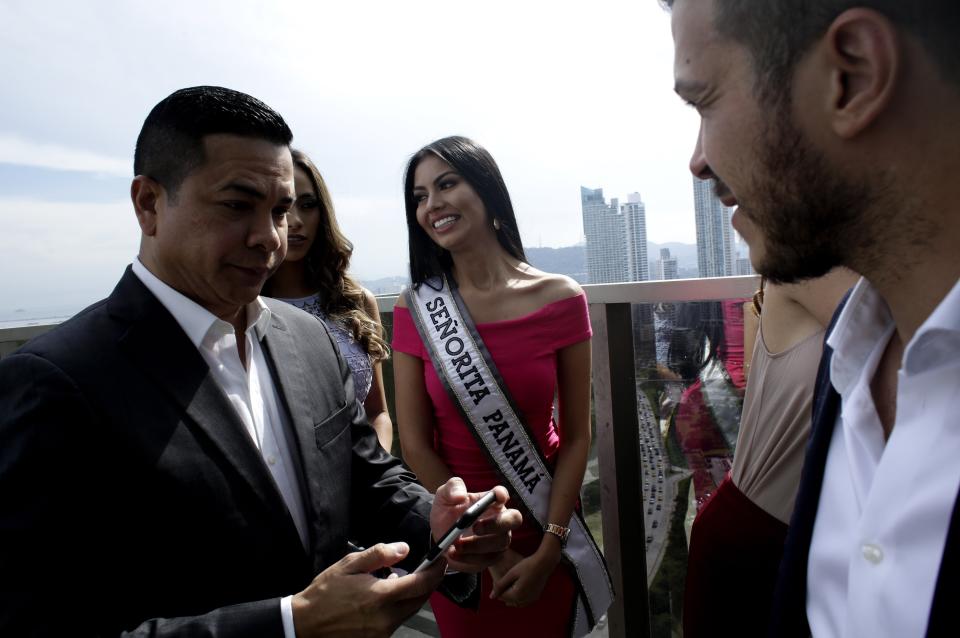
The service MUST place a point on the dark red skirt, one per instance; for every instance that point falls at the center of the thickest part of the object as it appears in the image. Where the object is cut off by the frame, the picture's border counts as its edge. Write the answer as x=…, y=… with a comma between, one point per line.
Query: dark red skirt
x=735, y=551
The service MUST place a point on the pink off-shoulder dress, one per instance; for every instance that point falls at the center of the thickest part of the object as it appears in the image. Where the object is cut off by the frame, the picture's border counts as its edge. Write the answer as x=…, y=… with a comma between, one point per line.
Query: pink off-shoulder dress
x=525, y=352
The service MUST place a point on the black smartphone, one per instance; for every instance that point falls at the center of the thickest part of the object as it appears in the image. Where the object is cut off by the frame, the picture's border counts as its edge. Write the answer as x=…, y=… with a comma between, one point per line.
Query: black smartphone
x=463, y=523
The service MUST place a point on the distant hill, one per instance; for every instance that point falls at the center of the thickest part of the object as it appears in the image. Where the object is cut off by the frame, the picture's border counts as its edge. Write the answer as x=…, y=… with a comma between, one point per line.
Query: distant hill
x=572, y=260
x=569, y=260
x=686, y=254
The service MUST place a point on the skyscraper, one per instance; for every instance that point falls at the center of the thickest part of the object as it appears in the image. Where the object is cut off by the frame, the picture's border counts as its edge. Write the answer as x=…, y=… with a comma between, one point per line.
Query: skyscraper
x=635, y=227
x=606, y=246
x=716, y=256
x=616, y=238
x=667, y=265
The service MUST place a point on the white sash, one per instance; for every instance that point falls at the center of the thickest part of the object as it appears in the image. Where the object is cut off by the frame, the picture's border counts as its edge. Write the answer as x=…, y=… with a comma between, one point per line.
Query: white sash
x=470, y=377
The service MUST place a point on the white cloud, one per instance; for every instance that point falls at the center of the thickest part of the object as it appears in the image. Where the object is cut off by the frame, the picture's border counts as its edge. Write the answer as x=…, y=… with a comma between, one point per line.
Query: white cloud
x=23, y=152
x=54, y=253
x=377, y=228
x=563, y=94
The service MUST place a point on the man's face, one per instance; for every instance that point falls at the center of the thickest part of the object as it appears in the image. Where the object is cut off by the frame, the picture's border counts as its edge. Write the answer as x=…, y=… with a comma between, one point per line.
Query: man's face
x=798, y=214
x=225, y=231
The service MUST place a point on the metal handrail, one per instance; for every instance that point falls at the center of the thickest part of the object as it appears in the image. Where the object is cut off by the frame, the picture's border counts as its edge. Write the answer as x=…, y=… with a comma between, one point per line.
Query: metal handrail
x=618, y=446
x=669, y=291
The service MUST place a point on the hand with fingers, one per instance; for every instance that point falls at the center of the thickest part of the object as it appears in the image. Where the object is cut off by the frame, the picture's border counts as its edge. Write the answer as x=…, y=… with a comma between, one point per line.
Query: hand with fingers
x=346, y=600
x=499, y=569
x=489, y=538
x=519, y=581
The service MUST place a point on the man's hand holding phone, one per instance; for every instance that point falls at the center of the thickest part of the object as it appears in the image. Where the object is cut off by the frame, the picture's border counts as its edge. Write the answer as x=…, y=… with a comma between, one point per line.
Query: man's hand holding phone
x=485, y=543
x=347, y=600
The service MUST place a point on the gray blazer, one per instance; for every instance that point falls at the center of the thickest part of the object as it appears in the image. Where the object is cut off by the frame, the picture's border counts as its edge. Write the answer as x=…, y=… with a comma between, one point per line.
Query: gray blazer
x=132, y=500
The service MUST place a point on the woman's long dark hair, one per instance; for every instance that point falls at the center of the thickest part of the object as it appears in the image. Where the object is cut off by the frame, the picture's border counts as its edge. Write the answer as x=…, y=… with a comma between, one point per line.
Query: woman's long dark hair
x=341, y=297
x=476, y=166
x=697, y=337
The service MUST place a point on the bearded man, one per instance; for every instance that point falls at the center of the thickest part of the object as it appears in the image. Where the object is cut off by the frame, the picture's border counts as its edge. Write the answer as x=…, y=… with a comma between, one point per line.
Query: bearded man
x=832, y=125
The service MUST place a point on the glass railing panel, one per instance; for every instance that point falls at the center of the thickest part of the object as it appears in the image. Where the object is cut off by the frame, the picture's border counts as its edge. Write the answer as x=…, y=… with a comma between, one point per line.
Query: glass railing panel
x=689, y=359
x=688, y=364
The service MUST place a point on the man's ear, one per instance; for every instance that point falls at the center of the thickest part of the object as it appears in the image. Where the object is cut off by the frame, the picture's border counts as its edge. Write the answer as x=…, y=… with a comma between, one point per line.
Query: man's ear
x=147, y=195
x=863, y=53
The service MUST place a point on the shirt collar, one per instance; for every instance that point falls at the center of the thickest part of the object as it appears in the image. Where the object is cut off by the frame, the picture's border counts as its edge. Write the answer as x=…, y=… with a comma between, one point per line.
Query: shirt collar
x=864, y=323
x=937, y=341
x=195, y=320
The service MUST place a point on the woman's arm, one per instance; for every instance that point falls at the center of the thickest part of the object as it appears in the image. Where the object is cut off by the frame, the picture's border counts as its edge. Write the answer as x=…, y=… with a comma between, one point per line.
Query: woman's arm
x=524, y=581
x=375, y=404
x=415, y=420
x=573, y=384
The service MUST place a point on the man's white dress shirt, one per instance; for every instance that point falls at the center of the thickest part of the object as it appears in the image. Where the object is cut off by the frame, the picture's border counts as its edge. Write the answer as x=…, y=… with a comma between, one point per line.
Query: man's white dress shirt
x=250, y=390
x=885, y=507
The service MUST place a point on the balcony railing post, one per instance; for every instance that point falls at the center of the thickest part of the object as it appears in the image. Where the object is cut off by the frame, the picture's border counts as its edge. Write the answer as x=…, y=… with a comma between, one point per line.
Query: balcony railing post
x=618, y=453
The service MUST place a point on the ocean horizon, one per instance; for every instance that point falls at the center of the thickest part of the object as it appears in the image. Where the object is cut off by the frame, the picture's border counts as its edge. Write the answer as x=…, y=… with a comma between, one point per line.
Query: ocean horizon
x=40, y=315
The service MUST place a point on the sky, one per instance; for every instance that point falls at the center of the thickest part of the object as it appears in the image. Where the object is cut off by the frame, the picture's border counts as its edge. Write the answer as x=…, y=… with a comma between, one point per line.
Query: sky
x=563, y=94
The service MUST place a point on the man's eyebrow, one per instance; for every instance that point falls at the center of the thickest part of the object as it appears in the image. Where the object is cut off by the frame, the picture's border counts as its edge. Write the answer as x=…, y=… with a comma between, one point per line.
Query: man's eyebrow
x=243, y=188
x=246, y=189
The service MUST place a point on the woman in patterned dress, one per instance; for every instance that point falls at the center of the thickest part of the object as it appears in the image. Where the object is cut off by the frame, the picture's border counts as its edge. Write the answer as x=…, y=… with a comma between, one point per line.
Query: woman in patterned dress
x=314, y=278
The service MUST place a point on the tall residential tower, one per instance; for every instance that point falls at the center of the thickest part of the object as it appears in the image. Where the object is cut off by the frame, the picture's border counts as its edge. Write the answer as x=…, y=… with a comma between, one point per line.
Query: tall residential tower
x=616, y=238
x=716, y=256
x=667, y=265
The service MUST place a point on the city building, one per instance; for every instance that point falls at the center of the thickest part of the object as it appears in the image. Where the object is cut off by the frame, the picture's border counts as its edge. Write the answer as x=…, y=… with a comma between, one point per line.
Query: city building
x=716, y=255
x=616, y=238
x=667, y=266
x=744, y=267
x=606, y=244
x=635, y=226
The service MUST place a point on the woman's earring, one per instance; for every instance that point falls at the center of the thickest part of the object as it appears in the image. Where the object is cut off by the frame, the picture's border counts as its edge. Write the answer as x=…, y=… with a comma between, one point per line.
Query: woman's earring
x=496, y=224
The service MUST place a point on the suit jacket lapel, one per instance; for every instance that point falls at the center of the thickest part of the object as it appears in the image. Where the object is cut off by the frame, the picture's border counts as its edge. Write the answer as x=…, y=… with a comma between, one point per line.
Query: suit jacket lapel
x=159, y=346
x=789, y=613
x=943, y=617
x=303, y=397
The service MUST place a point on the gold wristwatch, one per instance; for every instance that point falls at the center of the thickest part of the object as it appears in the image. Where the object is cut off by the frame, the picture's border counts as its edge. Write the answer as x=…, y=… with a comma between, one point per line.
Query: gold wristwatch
x=559, y=531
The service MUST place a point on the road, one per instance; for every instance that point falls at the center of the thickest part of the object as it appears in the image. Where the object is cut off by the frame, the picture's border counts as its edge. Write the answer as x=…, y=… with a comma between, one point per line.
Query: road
x=660, y=481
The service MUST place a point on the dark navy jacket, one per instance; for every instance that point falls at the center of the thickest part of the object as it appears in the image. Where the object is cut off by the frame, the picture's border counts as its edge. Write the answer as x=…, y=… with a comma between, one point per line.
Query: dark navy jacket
x=789, y=615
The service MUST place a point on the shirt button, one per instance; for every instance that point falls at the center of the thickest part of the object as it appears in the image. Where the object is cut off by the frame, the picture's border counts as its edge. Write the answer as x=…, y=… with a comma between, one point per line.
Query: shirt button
x=272, y=460
x=872, y=553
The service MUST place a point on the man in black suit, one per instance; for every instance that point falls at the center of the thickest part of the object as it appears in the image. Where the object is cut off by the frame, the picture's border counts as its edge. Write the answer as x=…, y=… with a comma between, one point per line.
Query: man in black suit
x=832, y=124
x=186, y=458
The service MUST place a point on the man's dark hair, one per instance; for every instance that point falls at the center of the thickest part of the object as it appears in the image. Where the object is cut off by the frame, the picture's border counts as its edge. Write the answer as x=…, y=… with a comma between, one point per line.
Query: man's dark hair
x=170, y=144
x=475, y=165
x=779, y=32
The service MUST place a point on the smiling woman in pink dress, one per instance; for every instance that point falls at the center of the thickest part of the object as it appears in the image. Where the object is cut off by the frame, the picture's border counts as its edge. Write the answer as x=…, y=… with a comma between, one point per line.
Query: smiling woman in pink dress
x=537, y=331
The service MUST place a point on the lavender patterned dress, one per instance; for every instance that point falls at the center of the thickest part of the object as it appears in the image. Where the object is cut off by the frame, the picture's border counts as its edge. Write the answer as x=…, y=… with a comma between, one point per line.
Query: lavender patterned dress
x=356, y=357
